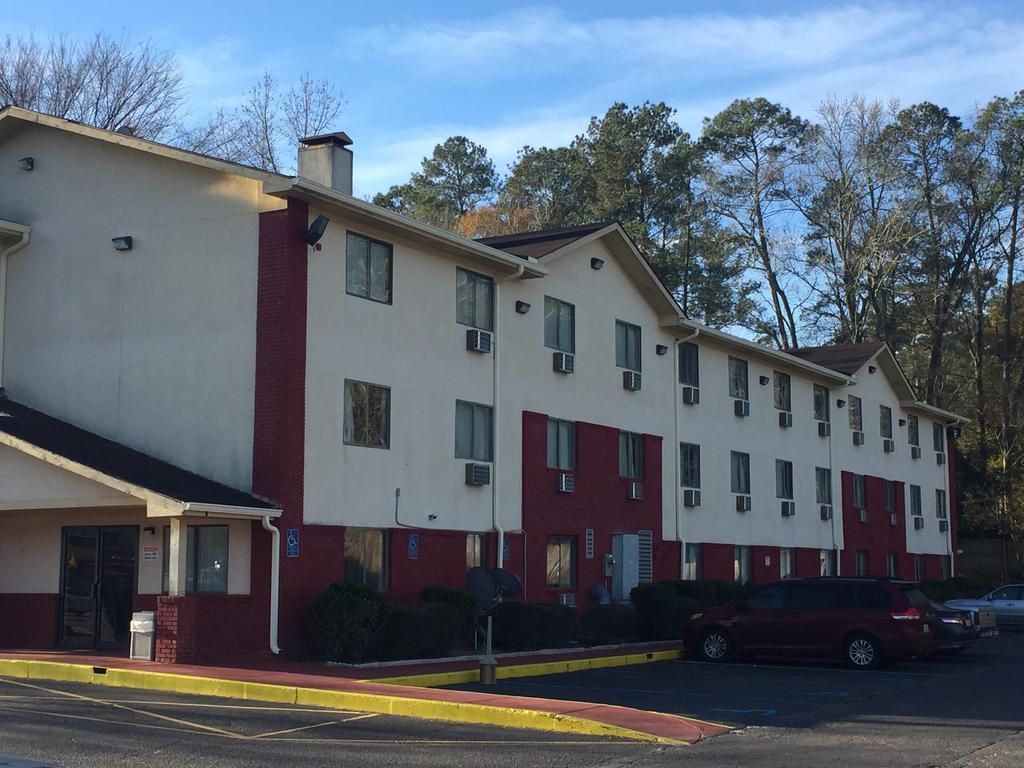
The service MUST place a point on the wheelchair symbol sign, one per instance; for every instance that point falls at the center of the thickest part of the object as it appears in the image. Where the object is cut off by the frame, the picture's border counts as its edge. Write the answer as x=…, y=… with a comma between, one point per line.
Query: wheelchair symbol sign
x=292, y=542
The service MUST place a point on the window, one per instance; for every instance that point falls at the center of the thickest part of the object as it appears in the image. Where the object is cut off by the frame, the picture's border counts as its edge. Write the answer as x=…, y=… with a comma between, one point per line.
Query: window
x=862, y=562
x=913, y=431
x=475, y=551
x=885, y=421
x=864, y=597
x=813, y=596
x=1007, y=593
x=783, y=479
x=631, y=455
x=561, y=444
x=368, y=268
x=561, y=561
x=559, y=325
x=367, y=415
x=856, y=417
x=939, y=438
x=627, y=345
x=823, y=485
x=860, y=491
x=473, y=431
x=940, y=504
x=782, y=392
x=366, y=557
x=741, y=564
x=945, y=569
x=692, y=563
x=890, y=495
x=821, y=412
x=738, y=378
x=918, y=567
x=770, y=598
x=474, y=299
x=206, y=559
x=892, y=565
x=689, y=465
x=689, y=364
x=786, y=563
x=827, y=562
x=740, y=472
x=915, y=501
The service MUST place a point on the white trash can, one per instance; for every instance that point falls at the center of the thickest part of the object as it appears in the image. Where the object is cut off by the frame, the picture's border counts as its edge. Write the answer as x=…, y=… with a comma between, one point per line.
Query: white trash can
x=143, y=628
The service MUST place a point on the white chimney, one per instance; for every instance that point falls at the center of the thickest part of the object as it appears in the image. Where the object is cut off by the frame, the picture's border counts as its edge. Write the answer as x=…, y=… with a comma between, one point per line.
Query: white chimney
x=327, y=160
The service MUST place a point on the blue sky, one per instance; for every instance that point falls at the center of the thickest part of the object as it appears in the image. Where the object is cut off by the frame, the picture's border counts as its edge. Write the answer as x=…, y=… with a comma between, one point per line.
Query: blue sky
x=508, y=74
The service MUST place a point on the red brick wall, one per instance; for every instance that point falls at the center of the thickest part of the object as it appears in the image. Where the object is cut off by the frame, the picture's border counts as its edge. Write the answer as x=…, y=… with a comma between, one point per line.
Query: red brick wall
x=877, y=536
x=176, y=638
x=599, y=502
x=807, y=562
x=717, y=561
x=30, y=620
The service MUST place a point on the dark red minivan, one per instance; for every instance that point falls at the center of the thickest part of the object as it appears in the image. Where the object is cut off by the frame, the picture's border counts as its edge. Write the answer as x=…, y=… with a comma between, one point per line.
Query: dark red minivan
x=860, y=620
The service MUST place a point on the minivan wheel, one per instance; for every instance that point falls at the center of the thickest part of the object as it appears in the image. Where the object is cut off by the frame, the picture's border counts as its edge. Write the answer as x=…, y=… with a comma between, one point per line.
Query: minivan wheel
x=862, y=651
x=715, y=645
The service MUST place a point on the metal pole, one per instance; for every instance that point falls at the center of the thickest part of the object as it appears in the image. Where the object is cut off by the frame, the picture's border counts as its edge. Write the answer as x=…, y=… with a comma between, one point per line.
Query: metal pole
x=488, y=665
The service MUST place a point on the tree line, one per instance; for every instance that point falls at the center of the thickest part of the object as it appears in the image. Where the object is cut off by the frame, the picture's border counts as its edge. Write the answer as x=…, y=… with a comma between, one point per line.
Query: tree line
x=863, y=221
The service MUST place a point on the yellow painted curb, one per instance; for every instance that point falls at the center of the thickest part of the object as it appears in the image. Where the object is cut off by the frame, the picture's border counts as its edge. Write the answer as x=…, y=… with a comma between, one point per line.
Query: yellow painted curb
x=401, y=706
x=438, y=679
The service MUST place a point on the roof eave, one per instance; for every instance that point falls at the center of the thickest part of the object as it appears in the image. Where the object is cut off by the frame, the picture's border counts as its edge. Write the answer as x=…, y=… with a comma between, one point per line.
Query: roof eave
x=310, y=191
x=934, y=410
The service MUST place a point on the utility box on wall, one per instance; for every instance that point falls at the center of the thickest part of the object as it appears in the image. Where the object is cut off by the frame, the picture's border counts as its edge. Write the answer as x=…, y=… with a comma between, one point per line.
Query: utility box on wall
x=626, y=568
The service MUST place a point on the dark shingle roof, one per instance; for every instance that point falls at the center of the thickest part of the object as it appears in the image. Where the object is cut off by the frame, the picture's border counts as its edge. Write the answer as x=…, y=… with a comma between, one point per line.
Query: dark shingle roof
x=845, y=358
x=540, y=243
x=117, y=460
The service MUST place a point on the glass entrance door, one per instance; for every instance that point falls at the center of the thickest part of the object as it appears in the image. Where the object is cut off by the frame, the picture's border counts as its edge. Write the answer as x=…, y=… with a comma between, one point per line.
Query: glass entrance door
x=98, y=585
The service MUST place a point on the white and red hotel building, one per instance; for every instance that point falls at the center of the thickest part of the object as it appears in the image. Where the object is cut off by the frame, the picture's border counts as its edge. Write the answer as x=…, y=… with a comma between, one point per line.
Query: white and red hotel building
x=215, y=420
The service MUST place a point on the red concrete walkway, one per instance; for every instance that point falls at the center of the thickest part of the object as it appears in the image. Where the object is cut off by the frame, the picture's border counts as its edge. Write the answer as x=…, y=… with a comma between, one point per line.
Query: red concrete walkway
x=355, y=680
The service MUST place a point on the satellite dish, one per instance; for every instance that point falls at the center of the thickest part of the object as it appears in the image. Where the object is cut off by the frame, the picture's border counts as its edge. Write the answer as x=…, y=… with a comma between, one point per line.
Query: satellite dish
x=507, y=584
x=481, y=583
x=599, y=595
x=316, y=229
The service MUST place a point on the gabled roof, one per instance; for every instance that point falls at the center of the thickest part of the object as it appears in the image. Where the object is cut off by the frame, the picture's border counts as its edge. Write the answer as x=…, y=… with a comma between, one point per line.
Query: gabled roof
x=541, y=242
x=74, y=449
x=845, y=358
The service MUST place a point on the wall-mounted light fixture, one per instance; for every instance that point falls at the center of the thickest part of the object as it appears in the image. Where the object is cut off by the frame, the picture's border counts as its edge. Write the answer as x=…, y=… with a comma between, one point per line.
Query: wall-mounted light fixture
x=764, y=381
x=27, y=163
x=840, y=403
x=522, y=307
x=903, y=422
x=871, y=369
x=316, y=230
x=122, y=243
x=954, y=432
x=150, y=530
x=596, y=263
x=661, y=349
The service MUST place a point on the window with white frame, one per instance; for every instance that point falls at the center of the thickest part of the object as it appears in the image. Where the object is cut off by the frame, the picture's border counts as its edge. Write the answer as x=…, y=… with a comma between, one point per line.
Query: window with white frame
x=739, y=472
x=741, y=564
x=860, y=493
x=689, y=465
x=913, y=430
x=473, y=431
x=856, y=414
x=559, y=325
x=738, y=388
x=940, y=504
x=561, y=444
x=367, y=415
x=939, y=438
x=206, y=559
x=821, y=405
x=890, y=495
x=689, y=364
x=782, y=391
x=475, y=551
x=918, y=568
x=627, y=345
x=631, y=455
x=915, y=501
x=368, y=264
x=892, y=565
x=885, y=422
x=784, y=479
x=786, y=570
x=692, y=562
x=827, y=562
x=474, y=299
x=561, y=562
x=823, y=485
x=862, y=562
x=366, y=557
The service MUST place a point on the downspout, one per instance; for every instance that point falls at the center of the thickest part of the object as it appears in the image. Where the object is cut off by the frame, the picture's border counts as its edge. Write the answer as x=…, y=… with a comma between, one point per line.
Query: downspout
x=675, y=446
x=275, y=580
x=10, y=251
x=495, y=400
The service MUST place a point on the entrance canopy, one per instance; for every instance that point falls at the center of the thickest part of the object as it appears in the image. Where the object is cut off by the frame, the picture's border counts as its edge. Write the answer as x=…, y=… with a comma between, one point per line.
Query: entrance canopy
x=105, y=472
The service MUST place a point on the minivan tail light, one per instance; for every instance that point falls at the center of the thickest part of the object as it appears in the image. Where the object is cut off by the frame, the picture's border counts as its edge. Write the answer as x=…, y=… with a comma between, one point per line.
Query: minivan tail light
x=911, y=614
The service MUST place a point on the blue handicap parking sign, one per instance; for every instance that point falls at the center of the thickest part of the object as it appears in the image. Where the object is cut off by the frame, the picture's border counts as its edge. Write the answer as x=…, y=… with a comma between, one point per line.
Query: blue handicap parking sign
x=506, y=550
x=292, y=542
x=413, y=550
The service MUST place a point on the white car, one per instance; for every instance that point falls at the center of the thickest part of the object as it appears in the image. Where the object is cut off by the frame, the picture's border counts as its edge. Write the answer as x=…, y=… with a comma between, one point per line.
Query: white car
x=1007, y=602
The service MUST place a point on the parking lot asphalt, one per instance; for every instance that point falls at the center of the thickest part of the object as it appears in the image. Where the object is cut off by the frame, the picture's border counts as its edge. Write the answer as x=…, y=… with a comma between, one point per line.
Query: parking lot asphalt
x=808, y=713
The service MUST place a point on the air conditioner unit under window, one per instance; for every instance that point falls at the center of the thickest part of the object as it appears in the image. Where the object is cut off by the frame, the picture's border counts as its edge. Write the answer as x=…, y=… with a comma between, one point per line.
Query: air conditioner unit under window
x=785, y=419
x=788, y=508
x=826, y=511
x=563, y=362
x=915, y=452
x=918, y=523
x=858, y=438
x=862, y=515
x=742, y=503
x=478, y=341
x=631, y=380
x=567, y=598
x=635, y=491
x=943, y=525
x=691, y=396
x=691, y=498
x=940, y=458
x=741, y=407
x=824, y=429
x=566, y=482
x=478, y=474
x=888, y=446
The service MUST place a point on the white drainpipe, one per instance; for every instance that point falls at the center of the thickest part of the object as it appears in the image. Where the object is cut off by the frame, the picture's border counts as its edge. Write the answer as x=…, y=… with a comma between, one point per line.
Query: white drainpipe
x=275, y=580
x=675, y=445
x=25, y=235
x=496, y=437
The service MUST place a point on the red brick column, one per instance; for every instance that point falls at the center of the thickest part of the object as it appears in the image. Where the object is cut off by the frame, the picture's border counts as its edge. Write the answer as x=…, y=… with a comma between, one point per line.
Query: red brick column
x=176, y=639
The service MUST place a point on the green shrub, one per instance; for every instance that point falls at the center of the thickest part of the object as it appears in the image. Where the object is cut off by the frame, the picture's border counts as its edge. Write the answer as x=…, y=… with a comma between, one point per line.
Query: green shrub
x=657, y=608
x=602, y=624
x=956, y=588
x=345, y=620
x=420, y=631
x=527, y=626
x=708, y=593
x=466, y=604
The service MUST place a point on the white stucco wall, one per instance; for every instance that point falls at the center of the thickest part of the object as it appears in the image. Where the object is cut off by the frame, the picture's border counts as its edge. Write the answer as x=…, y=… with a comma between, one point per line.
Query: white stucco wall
x=27, y=483
x=153, y=347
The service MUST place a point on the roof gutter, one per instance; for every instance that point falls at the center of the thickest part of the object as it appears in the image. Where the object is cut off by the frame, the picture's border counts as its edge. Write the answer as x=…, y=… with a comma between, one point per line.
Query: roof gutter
x=198, y=508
